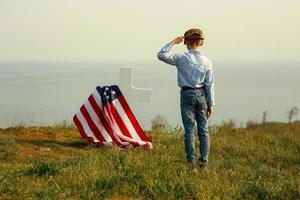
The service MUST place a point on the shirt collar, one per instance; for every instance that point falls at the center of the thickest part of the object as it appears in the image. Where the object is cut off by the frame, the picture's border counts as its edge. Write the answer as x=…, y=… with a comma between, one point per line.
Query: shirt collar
x=196, y=51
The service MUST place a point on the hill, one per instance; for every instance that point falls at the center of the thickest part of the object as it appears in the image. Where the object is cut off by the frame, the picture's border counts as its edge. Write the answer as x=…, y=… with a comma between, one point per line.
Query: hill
x=262, y=162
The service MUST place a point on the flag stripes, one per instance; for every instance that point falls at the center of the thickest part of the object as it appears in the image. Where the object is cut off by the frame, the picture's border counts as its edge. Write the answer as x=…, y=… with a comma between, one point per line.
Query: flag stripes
x=106, y=119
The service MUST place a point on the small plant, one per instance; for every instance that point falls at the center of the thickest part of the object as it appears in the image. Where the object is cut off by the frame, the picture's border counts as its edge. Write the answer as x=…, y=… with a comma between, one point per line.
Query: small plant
x=159, y=124
x=43, y=169
x=255, y=191
x=252, y=124
x=66, y=123
x=215, y=129
x=103, y=186
x=228, y=126
x=291, y=113
x=264, y=119
x=20, y=120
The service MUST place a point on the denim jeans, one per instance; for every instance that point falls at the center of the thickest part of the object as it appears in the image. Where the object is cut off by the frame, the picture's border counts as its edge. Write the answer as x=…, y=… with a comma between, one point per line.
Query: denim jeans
x=193, y=107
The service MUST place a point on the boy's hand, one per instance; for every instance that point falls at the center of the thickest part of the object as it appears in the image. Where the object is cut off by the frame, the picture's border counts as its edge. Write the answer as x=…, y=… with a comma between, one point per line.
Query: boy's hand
x=177, y=40
x=210, y=111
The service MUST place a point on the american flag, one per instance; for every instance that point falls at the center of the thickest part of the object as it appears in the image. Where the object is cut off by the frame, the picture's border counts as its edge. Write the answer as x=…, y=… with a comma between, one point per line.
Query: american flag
x=106, y=119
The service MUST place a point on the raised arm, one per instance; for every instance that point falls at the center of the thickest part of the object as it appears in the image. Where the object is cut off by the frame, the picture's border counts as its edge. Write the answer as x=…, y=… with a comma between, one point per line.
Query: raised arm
x=165, y=55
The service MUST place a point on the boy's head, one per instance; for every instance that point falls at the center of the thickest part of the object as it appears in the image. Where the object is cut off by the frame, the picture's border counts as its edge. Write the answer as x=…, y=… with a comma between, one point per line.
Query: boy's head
x=193, y=38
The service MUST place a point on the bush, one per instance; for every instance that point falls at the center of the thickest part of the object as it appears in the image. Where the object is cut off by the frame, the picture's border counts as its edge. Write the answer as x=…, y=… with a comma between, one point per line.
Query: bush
x=226, y=127
x=159, y=124
x=251, y=124
x=215, y=129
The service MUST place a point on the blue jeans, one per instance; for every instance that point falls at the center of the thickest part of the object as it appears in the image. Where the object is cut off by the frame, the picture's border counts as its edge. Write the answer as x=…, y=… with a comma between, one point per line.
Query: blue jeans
x=193, y=107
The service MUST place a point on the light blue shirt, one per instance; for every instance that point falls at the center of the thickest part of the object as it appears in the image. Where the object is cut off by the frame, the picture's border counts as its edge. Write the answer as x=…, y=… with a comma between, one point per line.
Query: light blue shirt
x=193, y=69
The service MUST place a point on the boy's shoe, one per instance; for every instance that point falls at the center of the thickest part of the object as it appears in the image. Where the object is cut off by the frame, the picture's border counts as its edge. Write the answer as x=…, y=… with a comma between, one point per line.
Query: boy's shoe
x=191, y=168
x=202, y=163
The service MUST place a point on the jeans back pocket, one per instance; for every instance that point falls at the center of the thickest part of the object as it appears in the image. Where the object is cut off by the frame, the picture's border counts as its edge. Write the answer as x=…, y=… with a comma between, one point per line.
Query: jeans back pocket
x=202, y=101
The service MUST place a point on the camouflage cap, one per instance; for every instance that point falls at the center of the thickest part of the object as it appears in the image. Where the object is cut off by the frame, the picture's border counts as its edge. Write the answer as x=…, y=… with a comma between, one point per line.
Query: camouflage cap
x=193, y=34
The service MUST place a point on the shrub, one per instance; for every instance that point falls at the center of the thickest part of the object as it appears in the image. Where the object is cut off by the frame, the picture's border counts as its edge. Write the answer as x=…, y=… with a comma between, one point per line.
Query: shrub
x=264, y=119
x=227, y=126
x=159, y=124
x=214, y=129
x=291, y=113
x=252, y=124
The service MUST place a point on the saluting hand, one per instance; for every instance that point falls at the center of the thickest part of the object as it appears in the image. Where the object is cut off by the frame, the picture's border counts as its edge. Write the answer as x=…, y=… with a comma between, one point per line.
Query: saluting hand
x=177, y=40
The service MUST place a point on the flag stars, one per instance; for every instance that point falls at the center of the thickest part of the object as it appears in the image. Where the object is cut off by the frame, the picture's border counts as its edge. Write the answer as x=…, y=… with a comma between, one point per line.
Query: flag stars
x=109, y=94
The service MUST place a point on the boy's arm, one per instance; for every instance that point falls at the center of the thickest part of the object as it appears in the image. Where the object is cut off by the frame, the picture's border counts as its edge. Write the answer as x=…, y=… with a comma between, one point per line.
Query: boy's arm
x=165, y=55
x=209, y=87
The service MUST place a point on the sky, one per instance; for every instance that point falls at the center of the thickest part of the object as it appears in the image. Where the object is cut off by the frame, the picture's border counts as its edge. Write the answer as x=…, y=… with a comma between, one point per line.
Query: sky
x=134, y=30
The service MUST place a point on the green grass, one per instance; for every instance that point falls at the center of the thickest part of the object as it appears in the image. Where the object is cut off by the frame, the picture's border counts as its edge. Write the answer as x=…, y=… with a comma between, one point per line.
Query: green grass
x=55, y=163
x=8, y=149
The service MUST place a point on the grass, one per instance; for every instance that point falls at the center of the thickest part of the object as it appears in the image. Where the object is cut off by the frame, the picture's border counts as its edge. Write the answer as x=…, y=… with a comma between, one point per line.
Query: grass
x=55, y=163
x=42, y=169
x=8, y=149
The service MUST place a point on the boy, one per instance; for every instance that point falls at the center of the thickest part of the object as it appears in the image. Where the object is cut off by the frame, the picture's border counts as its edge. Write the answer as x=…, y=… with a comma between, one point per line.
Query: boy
x=195, y=77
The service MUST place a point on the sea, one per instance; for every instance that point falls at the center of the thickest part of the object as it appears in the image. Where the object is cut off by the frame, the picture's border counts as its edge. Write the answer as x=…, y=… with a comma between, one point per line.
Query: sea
x=47, y=93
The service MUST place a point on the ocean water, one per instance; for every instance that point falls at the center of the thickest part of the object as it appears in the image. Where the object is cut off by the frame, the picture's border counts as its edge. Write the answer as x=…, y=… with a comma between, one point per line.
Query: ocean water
x=49, y=92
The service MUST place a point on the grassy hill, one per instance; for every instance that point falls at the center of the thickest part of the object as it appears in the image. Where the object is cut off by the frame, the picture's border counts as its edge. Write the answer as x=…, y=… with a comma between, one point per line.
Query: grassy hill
x=262, y=162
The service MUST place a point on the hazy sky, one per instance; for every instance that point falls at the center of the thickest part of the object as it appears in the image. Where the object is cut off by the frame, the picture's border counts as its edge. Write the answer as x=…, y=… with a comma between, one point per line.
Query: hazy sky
x=134, y=30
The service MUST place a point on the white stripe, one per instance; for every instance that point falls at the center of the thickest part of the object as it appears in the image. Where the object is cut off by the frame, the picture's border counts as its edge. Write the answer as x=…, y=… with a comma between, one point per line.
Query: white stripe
x=115, y=127
x=111, y=123
x=97, y=98
x=126, y=137
x=117, y=132
x=86, y=127
x=97, y=121
x=126, y=120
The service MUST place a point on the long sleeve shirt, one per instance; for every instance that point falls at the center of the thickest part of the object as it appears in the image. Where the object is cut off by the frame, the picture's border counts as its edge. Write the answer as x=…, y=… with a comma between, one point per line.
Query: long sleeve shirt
x=193, y=69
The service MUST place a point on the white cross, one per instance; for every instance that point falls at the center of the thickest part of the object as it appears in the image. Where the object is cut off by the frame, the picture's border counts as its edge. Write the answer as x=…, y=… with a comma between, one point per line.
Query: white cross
x=131, y=93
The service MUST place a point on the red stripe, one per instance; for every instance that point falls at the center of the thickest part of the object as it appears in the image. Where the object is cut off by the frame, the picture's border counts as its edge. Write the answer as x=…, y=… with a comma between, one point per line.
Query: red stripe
x=81, y=130
x=79, y=126
x=100, y=116
x=132, y=119
x=122, y=125
x=91, y=124
x=135, y=144
x=119, y=121
x=113, y=123
x=104, y=122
